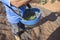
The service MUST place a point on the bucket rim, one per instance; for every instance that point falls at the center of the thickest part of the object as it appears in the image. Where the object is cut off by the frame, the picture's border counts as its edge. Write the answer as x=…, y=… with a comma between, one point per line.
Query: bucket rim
x=40, y=13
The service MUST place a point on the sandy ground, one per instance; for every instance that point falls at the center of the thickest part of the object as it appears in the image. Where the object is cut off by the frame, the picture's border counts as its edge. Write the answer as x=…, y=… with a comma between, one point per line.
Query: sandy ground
x=38, y=33
x=54, y=7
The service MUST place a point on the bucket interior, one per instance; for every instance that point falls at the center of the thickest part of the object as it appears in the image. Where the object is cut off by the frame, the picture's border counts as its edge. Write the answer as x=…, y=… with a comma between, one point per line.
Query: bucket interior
x=30, y=14
x=37, y=14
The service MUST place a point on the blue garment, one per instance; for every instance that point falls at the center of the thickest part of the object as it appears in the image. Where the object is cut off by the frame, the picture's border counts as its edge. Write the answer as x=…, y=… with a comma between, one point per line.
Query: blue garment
x=17, y=28
x=11, y=16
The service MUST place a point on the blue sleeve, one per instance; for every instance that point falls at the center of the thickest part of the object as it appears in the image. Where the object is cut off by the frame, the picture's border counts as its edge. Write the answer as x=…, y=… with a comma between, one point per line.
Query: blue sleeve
x=0, y=0
x=6, y=2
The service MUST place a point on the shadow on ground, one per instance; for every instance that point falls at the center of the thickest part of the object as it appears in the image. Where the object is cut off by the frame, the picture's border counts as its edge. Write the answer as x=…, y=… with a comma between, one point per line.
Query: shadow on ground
x=2, y=36
x=55, y=35
x=58, y=0
x=51, y=17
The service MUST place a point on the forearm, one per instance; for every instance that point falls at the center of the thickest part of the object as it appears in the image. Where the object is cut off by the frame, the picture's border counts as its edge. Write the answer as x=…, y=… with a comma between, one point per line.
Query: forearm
x=20, y=3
